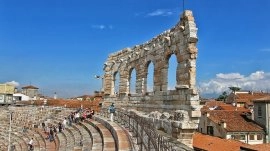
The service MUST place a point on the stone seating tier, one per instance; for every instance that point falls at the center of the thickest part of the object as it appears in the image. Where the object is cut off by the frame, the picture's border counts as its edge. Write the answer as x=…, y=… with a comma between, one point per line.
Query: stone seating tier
x=85, y=136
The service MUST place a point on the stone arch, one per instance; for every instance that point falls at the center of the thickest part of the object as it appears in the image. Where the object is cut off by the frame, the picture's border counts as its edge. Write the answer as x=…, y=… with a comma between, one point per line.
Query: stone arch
x=130, y=84
x=168, y=69
x=180, y=41
x=148, y=77
x=115, y=83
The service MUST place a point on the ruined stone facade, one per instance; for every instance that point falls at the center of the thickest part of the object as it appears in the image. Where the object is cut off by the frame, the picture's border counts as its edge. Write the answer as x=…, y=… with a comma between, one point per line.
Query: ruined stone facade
x=181, y=105
x=183, y=101
x=181, y=41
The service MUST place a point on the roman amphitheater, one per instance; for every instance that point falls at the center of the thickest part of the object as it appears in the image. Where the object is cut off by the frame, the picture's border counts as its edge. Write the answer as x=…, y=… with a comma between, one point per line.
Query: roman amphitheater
x=158, y=120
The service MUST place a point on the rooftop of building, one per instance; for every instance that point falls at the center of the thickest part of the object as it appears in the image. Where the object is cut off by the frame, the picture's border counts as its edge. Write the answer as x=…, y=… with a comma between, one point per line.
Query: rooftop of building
x=249, y=96
x=211, y=143
x=29, y=87
x=219, y=105
x=264, y=99
x=236, y=121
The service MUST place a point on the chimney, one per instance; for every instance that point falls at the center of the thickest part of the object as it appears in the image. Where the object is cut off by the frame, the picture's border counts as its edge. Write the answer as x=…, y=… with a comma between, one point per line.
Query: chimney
x=207, y=114
x=224, y=125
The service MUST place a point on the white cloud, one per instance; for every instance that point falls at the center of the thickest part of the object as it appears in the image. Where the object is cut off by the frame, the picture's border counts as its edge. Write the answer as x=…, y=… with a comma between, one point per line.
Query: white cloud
x=14, y=83
x=229, y=76
x=256, y=81
x=102, y=27
x=160, y=12
x=265, y=50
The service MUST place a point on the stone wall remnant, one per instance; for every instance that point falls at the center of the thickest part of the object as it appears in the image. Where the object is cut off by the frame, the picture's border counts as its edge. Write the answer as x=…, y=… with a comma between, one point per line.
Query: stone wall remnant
x=181, y=41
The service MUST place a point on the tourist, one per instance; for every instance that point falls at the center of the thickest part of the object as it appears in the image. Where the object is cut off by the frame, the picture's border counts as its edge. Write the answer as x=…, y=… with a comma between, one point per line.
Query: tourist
x=92, y=112
x=51, y=135
x=77, y=117
x=43, y=126
x=54, y=130
x=30, y=144
x=112, y=111
x=24, y=129
x=60, y=127
x=64, y=123
x=70, y=119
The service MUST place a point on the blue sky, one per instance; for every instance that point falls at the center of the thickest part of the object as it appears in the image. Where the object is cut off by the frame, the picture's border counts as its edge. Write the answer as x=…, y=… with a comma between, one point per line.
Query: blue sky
x=59, y=45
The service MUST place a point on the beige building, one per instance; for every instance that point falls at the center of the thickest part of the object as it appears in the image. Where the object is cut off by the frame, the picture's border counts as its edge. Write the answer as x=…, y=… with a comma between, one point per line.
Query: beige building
x=244, y=98
x=229, y=124
x=262, y=114
x=30, y=91
x=6, y=93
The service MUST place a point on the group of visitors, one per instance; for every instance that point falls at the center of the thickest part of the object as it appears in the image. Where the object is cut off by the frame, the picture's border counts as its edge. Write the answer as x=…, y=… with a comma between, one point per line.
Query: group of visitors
x=80, y=115
x=74, y=117
x=51, y=130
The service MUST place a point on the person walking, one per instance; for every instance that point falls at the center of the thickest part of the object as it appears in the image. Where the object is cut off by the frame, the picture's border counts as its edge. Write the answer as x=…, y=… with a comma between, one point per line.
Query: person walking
x=112, y=111
x=30, y=144
x=64, y=123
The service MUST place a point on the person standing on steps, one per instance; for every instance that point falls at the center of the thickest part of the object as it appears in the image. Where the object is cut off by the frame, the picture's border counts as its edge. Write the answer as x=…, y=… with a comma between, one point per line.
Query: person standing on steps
x=30, y=144
x=112, y=111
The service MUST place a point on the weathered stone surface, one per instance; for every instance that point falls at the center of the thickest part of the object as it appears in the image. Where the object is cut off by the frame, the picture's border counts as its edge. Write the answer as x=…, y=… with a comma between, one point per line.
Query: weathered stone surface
x=174, y=109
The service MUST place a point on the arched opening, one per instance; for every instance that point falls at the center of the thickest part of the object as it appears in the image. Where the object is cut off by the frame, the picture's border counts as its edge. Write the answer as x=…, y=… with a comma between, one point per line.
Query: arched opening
x=132, y=81
x=116, y=83
x=150, y=77
x=172, y=68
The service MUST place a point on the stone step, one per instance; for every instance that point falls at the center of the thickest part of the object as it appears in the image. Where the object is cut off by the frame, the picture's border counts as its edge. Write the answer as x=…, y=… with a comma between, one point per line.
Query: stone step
x=120, y=135
x=62, y=141
x=95, y=136
x=107, y=138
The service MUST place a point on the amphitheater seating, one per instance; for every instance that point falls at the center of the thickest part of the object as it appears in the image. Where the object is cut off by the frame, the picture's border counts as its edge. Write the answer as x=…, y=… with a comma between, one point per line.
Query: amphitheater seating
x=90, y=135
x=120, y=134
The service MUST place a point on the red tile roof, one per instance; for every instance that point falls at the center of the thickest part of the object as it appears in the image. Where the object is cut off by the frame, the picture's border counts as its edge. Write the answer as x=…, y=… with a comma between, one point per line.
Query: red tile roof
x=235, y=121
x=29, y=87
x=211, y=143
x=248, y=97
x=264, y=99
x=261, y=147
x=219, y=105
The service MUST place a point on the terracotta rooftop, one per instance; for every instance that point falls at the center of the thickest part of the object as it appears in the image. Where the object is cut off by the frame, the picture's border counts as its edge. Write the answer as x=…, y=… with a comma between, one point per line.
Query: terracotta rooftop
x=248, y=97
x=235, y=121
x=219, y=105
x=264, y=99
x=29, y=87
x=211, y=143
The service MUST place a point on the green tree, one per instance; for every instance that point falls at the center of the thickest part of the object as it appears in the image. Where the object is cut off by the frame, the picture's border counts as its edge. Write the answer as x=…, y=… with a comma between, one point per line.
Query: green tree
x=223, y=96
x=234, y=89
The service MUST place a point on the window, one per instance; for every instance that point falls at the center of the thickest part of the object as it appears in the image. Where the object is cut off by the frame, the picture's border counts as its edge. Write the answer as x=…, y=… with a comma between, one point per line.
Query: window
x=242, y=137
x=259, y=136
x=238, y=137
x=251, y=137
x=259, y=111
x=210, y=130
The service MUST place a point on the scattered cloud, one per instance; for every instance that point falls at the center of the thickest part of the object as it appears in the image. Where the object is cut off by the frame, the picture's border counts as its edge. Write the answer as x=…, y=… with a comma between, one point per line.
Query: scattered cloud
x=14, y=83
x=265, y=50
x=256, y=81
x=102, y=27
x=160, y=12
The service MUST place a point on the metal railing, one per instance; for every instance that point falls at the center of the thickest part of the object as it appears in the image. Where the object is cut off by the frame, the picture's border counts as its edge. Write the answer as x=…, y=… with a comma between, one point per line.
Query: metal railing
x=143, y=129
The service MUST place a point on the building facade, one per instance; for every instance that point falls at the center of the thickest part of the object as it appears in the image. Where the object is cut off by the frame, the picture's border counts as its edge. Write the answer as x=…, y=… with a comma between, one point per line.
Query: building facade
x=231, y=125
x=6, y=94
x=262, y=114
x=30, y=91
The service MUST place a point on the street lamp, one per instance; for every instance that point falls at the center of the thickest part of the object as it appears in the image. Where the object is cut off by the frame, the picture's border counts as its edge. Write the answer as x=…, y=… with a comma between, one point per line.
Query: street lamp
x=9, y=131
x=102, y=78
